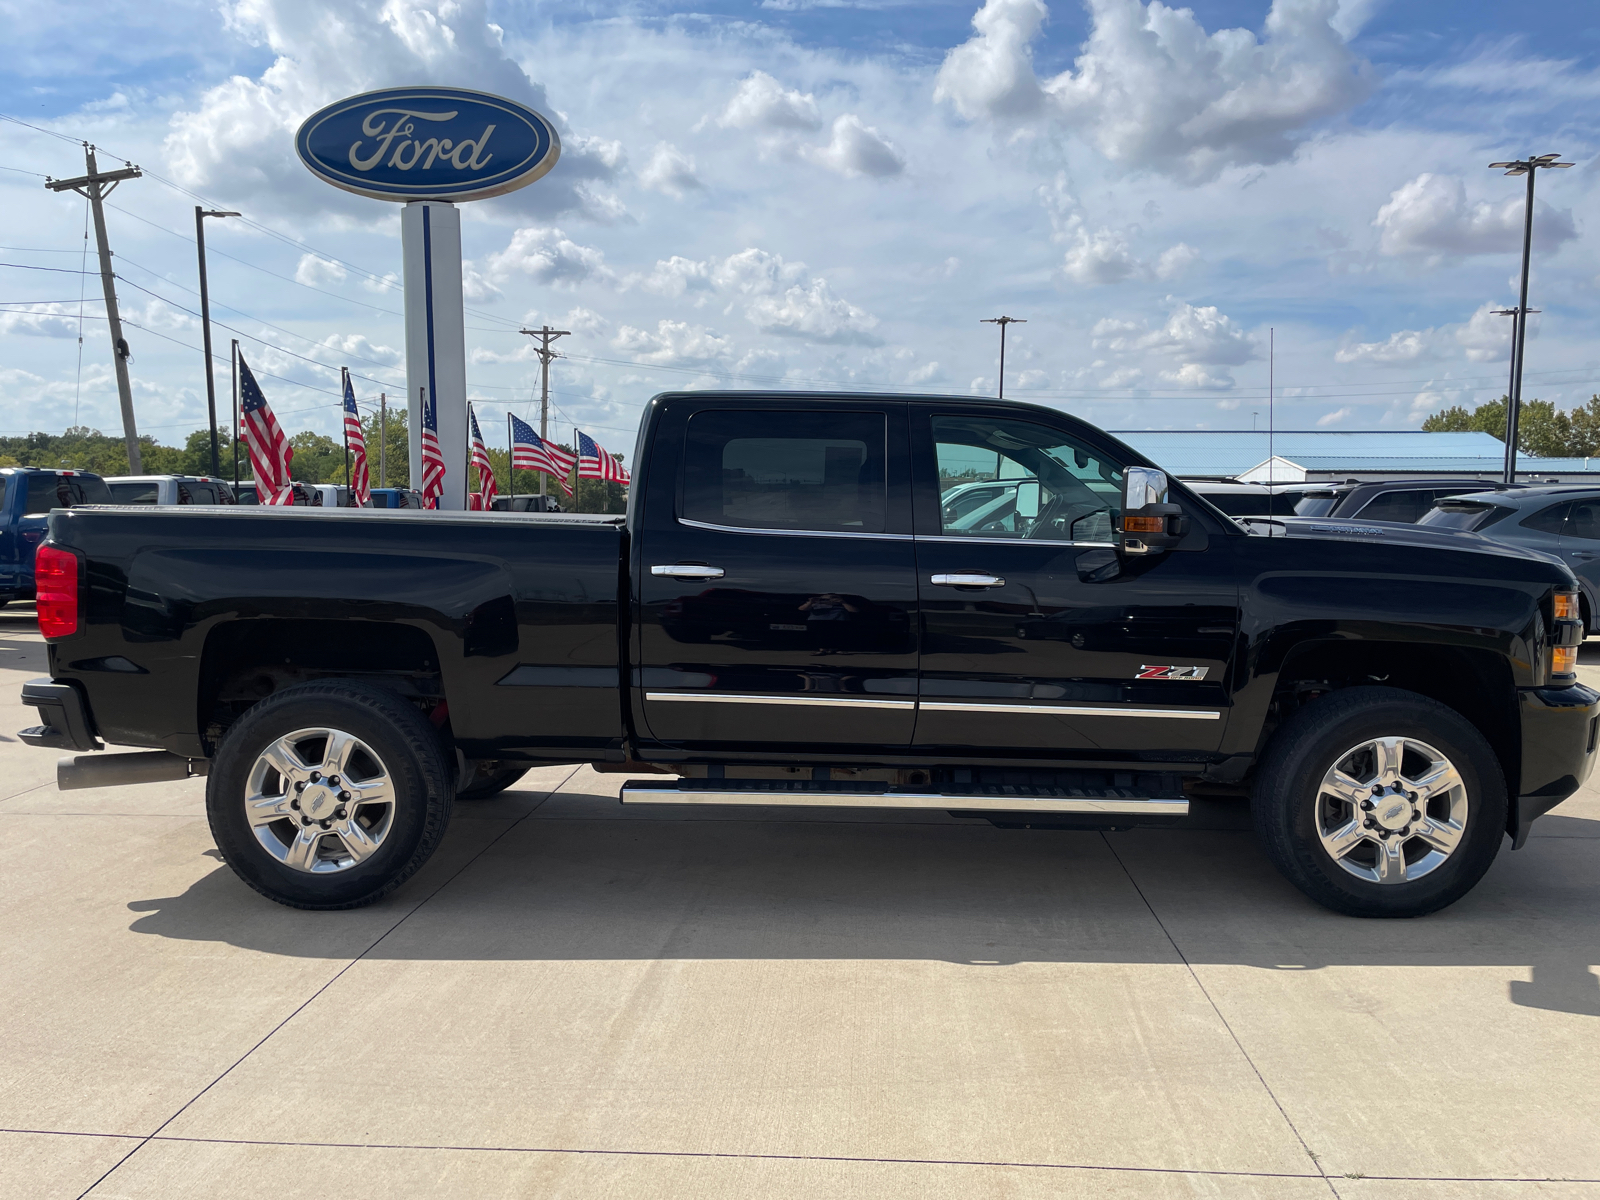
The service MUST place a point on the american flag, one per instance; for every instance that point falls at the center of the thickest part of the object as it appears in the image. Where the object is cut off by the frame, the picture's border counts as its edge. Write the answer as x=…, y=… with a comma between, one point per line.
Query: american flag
x=270, y=452
x=530, y=452
x=595, y=463
x=480, y=459
x=432, y=460
x=356, y=440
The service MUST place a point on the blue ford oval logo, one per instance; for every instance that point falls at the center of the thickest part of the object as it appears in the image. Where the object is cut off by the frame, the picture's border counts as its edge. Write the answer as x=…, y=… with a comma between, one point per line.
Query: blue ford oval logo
x=428, y=143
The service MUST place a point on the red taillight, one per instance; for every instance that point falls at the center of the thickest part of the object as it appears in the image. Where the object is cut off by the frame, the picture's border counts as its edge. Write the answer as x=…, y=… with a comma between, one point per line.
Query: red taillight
x=55, y=582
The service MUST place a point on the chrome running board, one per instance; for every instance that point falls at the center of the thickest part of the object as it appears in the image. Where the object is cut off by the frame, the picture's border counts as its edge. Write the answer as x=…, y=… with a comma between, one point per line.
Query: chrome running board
x=992, y=799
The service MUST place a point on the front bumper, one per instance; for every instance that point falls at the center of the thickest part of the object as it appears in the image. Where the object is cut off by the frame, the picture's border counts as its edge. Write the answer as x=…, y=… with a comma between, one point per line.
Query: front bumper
x=1559, y=730
x=67, y=724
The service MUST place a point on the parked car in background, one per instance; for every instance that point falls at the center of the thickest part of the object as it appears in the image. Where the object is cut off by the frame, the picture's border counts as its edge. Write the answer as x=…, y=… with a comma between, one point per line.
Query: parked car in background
x=168, y=489
x=964, y=498
x=1249, y=499
x=334, y=495
x=526, y=504
x=1559, y=520
x=304, y=495
x=30, y=494
x=1403, y=500
x=396, y=498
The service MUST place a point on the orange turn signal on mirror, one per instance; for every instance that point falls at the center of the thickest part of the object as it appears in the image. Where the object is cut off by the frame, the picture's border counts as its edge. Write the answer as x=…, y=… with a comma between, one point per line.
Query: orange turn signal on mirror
x=1144, y=524
x=1566, y=606
x=1564, y=660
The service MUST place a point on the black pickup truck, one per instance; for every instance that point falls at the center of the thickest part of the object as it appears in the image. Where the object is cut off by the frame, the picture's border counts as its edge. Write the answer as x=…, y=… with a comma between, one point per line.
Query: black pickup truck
x=790, y=615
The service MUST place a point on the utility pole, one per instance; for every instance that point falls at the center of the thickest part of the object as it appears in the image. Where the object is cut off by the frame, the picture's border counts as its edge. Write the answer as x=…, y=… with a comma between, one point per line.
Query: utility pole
x=94, y=186
x=1530, y=167
x=543, y=336
x=1003, y=322
x=200, y=214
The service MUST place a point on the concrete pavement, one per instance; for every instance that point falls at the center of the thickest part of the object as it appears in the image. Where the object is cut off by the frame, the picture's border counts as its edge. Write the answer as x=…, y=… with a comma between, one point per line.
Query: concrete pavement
x=573, y=1000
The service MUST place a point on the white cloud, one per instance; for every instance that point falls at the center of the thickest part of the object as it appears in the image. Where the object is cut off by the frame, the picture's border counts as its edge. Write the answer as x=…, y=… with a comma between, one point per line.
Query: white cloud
x=674, y=276
x=1153, y=90
x=547, y=256
x=1431, y=216
x=674, y=343
x=928, y=372
x=815, y=314
x=1334, y=417
x=671, y=172
x=1194, y=334
x=1099, y=258
x=585, y=322
x=1486, y=336
x=318, y=272
x=1405, y=345
x=1193, y=375
x=857, y=149
x=756, y=272
x=763, y=103
x=1175, y=260
x=42, y=320
x=476, y=287
x=359, y=346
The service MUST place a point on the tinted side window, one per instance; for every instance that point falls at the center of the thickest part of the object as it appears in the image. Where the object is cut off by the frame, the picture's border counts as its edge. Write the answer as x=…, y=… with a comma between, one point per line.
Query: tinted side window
x=1583, y=521
x=1548, y=520
x=202, y=493
x=787, y=470
x=1056, y=489
x=132, y=493
x=90, y=490
x=48, y=491
x=1397, y=506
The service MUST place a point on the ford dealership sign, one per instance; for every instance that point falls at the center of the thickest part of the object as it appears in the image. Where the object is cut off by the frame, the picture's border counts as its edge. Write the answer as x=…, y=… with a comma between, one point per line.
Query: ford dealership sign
x=428, y=143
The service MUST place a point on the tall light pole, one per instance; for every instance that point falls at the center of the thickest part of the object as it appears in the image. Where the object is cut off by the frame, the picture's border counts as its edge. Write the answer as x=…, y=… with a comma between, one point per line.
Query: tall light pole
x=1003, y=322
x=200, y=214
x=1529, y=167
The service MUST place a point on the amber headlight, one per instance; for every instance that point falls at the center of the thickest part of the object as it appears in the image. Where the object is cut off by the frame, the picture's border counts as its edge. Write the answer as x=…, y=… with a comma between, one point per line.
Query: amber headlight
x=1566, y=606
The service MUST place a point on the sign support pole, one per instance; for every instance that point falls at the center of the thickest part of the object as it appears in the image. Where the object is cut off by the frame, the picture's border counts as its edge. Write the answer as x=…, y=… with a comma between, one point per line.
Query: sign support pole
x=436, y=356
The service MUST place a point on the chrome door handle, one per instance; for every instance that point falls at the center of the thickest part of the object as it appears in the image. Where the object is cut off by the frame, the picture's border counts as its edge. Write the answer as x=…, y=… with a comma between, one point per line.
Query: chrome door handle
x=968, y=579
x=687, y=571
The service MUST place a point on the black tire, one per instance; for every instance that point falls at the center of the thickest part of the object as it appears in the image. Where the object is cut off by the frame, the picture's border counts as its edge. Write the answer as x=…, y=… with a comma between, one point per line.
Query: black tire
x=490, y=779
x=1287, y=801
x=405, y=747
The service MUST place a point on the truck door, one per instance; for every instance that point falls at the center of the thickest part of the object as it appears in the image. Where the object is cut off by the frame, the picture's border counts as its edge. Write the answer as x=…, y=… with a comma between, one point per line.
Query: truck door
x=1036, y=636
x=775, y=577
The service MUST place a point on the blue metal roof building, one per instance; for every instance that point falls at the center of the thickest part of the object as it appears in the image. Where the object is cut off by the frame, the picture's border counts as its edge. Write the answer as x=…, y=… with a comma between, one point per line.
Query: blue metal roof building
x=1329, y=454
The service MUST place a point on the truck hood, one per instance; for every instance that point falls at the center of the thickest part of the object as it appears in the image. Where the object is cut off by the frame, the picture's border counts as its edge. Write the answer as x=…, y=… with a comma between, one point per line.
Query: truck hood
x=1391, y=533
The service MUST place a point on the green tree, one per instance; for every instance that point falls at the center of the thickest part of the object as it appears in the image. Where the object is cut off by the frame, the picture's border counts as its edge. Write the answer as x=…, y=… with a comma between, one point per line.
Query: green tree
x=397, y=460
x=1542, y=428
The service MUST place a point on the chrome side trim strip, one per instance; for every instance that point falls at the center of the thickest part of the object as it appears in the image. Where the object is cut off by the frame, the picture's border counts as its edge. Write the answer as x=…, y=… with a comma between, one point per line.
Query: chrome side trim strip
x=1088, y=806
x=989, y=541
x=812, y=533
x=1076, y=710
x=820, y=701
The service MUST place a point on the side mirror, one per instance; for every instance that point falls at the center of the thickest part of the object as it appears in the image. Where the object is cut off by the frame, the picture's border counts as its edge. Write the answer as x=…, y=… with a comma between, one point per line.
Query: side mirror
x=1028, y=500
x=1150, y=524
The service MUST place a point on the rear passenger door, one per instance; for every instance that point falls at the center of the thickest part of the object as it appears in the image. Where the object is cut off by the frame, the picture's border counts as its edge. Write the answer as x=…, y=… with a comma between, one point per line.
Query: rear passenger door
x=1580, y=544
x=775, y=577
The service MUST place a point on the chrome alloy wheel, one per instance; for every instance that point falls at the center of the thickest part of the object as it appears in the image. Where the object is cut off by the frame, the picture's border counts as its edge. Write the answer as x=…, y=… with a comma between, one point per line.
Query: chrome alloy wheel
x=319, y=800
x=1391, y=810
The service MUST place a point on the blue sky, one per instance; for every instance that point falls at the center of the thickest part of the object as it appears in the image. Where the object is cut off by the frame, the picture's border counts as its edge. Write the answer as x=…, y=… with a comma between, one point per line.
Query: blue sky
x=819, y=194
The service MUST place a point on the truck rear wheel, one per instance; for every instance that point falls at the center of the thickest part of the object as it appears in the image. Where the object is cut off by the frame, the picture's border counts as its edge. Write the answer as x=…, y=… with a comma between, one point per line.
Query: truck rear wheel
x=328, y=795
x=1377, y=802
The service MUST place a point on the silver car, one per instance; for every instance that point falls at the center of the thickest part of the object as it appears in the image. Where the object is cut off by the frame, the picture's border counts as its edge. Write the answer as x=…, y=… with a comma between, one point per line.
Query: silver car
x=1559, y=520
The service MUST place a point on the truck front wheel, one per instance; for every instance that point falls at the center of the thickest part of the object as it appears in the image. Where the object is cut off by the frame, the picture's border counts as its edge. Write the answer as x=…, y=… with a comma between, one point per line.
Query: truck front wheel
x=1378, y=802
x=328, y=795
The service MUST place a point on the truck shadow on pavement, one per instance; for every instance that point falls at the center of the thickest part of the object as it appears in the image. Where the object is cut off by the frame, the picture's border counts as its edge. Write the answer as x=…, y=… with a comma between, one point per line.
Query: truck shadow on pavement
x=579, y=880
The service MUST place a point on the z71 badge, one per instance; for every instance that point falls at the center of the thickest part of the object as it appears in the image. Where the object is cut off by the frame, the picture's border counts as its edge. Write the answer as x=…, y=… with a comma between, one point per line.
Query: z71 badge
x=1146, y=672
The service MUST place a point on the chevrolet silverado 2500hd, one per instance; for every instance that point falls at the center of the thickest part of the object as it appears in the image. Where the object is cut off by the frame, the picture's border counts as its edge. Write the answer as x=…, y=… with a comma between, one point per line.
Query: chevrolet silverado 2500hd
x=789, y=616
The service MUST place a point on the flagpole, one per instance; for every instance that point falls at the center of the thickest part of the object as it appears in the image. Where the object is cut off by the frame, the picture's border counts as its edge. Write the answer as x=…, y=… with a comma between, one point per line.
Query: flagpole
x=233, y=355
x=344, y=377
x=511, y=464
x=383, y=439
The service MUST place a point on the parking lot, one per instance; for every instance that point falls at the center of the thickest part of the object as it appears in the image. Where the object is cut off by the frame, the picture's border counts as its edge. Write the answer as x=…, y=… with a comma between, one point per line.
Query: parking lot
x=573, y=1000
